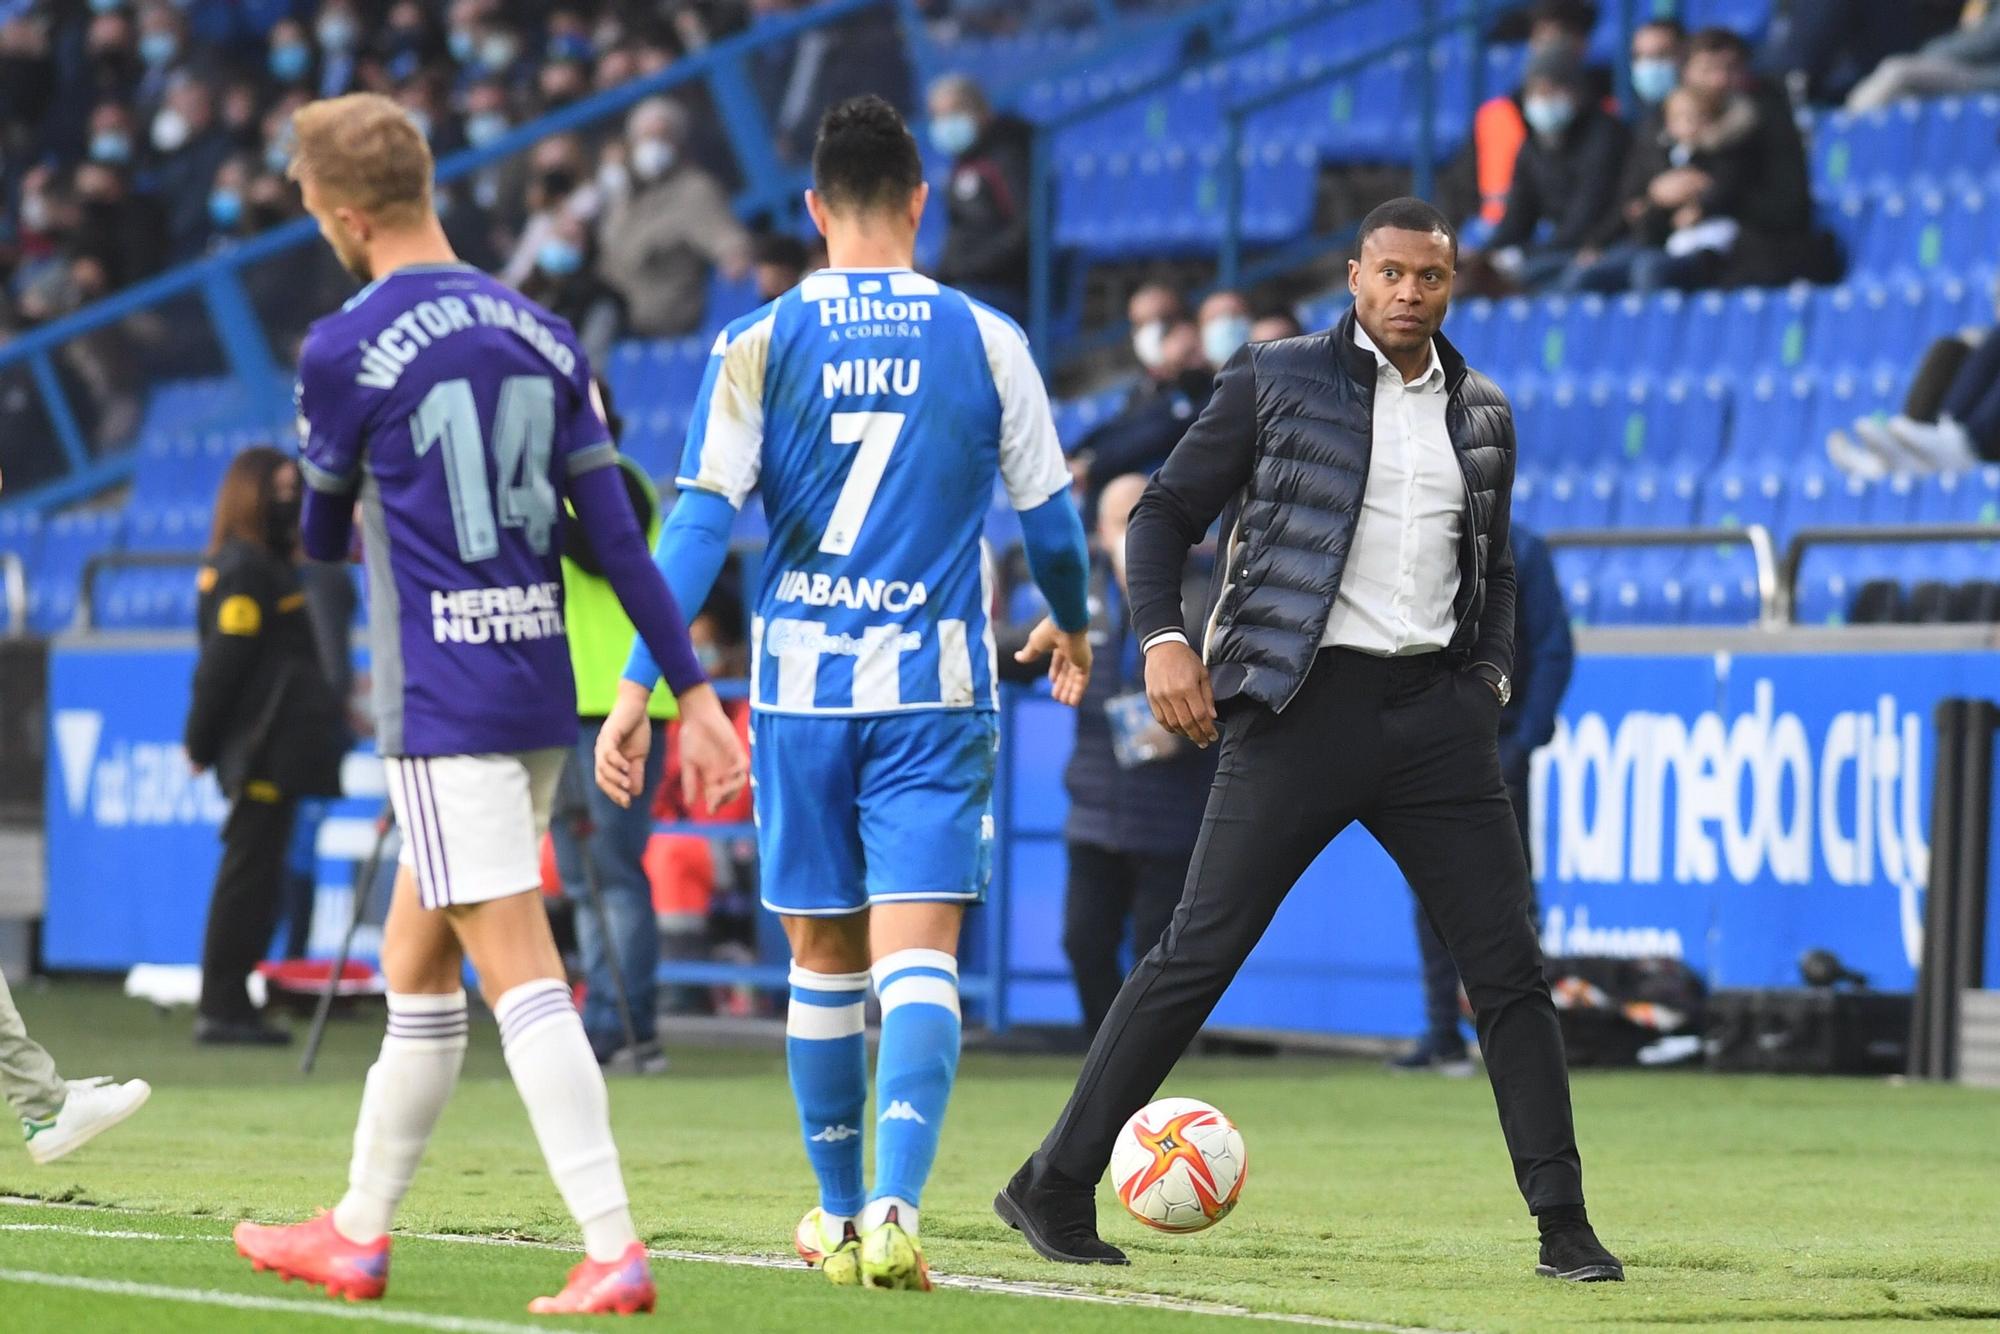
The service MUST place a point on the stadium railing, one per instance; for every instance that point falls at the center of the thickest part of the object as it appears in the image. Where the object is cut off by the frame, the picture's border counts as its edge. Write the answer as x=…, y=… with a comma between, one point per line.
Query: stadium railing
x=106, y=561
x=213, y=289
x=1868, y=535
x=1774, y=597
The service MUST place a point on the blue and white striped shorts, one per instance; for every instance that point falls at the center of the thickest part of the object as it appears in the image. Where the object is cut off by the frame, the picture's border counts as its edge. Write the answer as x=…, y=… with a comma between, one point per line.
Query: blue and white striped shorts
x=472, y=824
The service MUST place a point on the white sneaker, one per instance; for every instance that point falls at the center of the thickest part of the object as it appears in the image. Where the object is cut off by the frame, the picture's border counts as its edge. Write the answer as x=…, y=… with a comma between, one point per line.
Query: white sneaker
x=92, y=1107
x=1855, y=458
x=1943, y=445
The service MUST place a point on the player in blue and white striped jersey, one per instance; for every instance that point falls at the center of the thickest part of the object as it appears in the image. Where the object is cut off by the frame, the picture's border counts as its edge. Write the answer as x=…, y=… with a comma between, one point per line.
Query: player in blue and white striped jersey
x=875, y=411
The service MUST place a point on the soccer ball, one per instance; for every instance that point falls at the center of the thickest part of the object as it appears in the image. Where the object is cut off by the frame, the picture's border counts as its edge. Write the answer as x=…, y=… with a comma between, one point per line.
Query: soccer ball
x=1179, y=1165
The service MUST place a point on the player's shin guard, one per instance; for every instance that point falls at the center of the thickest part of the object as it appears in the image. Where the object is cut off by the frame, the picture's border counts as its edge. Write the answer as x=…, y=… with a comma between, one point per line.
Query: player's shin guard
x=828, y=1058
x=406, y=1091
x=913, y=1076
x=563, y=1088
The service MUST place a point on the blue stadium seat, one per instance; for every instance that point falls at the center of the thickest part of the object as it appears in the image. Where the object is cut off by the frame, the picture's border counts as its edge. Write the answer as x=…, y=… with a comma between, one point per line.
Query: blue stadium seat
x=1647, y=332
x=1751, y=18
x=1961, y=132
x=1772, y=419
x=1652, y=497
x=1639, y=587
x=1579, y=499
x=1820, y=496
x=1735, y=496
x=1870, y=149
x=1722, y=586
x=1576, y=571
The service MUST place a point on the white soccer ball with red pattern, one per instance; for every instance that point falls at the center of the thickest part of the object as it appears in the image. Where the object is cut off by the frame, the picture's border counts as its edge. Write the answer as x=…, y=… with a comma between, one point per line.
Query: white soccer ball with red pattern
x=1179, y=1165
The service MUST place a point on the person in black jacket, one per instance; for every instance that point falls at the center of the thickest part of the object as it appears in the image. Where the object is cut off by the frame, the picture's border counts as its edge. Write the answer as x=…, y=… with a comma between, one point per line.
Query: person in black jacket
x=986, y=205
x=1543, y=656
x=264, y=718
x=1357, y=657
x=1566, y=178
x=1136, y=791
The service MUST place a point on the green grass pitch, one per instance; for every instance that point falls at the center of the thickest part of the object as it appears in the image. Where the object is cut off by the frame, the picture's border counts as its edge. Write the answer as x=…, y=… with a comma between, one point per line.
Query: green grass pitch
x=1735, y=1202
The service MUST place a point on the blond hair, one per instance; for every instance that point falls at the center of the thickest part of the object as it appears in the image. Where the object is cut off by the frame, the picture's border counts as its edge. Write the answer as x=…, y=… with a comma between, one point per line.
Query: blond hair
x=362, y=152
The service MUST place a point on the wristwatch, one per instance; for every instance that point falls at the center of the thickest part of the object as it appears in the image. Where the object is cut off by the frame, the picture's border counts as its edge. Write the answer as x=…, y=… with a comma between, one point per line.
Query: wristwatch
x=1502, y=684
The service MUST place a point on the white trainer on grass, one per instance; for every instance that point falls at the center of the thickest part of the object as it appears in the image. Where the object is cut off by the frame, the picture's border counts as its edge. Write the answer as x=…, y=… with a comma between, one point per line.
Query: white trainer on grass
x=92, y=1107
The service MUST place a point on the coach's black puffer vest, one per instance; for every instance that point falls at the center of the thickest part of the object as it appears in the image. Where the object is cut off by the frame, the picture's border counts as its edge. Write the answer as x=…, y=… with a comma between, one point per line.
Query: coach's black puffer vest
x=1285, y=538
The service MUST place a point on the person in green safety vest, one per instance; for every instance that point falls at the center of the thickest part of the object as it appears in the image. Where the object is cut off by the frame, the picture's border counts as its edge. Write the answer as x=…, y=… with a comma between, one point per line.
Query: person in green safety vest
x=588, y=824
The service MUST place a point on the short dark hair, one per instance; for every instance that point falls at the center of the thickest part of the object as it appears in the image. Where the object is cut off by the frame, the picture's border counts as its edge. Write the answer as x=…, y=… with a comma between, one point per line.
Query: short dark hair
x=1579, y=16
x=1672, y=25
x=1710, y=41
x=865, y=157
x=1408, y=214
x=779, y=248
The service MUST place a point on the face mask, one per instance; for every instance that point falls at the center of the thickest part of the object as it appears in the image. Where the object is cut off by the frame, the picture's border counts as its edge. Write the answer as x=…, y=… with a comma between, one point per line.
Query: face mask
x=281, y=525
x=225, y=209
x=35, y=212
x=484, y=128
x=289, y=61
x=1548, y=116
x=1149, y=344
x=106, y=6
x=170, y=131
x=559, y=259
x=112, y=146
x=159, y=48
x=651, y=158
x=953, y=134
x=710, y=658
x=278, y=157
x=613, y=179
x=462, y=45
x=1221, y=336
x=556, y=184
x=497, y=52
x=336, y=32
x=420, y=119
x=1653, y=79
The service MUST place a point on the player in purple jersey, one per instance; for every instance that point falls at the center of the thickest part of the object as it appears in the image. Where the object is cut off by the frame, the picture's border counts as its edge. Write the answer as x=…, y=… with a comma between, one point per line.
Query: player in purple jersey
x=458, y=415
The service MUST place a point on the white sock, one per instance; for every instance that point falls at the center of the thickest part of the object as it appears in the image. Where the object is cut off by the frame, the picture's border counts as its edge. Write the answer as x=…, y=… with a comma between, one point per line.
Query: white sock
x=406, y=1091
x=563, y=1087
x=877, y=1213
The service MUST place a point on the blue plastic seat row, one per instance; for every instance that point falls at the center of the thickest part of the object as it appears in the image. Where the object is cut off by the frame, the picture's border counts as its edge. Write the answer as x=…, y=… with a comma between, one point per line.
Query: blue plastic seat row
x=1173, y=199
x=1886, y=147
x=1752, y=331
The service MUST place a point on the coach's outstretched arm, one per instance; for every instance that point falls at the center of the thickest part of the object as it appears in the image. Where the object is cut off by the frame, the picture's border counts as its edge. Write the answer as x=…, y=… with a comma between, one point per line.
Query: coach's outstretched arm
x=1208, y=467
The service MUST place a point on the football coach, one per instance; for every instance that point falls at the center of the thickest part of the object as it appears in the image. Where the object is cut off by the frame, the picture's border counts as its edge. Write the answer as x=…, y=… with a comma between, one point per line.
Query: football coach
x=1359, y=641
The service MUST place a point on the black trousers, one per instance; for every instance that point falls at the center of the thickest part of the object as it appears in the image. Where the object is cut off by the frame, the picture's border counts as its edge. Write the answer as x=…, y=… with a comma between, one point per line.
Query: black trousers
x=249, y=888
x=1440, y=973
x=1407, y=748
x=1106, y=887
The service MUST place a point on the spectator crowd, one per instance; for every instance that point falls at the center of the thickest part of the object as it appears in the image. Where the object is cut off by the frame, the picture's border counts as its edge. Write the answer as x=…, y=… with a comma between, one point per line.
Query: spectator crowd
x=139, y=134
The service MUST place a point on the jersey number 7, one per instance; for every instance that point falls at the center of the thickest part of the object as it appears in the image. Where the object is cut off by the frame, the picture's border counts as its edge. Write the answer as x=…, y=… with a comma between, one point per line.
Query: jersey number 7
x=524, y=427
x=876, y=434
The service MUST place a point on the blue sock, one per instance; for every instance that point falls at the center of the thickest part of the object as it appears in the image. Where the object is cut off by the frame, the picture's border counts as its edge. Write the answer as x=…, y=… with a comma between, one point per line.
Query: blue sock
x=913, y=1074
x=828, y=1057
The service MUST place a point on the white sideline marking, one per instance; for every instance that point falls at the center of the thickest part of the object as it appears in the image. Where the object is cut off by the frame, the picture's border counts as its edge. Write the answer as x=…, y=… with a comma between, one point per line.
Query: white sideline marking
x=112, y=1287
x=964, y=1282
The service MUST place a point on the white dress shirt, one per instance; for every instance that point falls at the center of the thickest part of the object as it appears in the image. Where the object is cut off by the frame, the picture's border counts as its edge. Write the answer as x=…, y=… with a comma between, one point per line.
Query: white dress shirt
x=1401, y=580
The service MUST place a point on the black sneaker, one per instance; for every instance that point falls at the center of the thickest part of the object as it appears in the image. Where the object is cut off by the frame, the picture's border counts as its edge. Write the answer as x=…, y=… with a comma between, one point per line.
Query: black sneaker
x=251, y=1032
x=1058, y=1217
x=1574, y=1255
